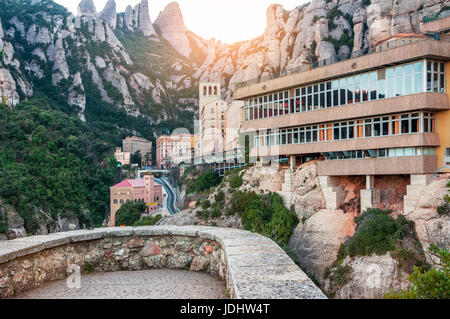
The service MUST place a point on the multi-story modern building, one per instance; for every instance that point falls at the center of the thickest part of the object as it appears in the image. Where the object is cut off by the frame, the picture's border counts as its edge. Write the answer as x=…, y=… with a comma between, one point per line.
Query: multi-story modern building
x=175, y=149
x=384, y=113
x=122, y=157
x=134, y=144
x=144, y=190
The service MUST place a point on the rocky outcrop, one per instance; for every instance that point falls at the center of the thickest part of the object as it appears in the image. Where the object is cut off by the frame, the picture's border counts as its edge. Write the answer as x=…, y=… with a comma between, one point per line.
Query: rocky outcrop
x=429, y=225
x=14, y=223
x=171, y=27
x=316, y=241
x=142, y=17
x=118, y=81
x=57, y=54
x=371, y=277
x=109, y=14
x=87, y=8
x=77, y=96
x=128, y=18
x=8, y=89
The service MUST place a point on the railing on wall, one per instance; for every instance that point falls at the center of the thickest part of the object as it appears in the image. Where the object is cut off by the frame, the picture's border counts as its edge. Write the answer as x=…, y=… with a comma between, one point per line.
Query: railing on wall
x=445, y=12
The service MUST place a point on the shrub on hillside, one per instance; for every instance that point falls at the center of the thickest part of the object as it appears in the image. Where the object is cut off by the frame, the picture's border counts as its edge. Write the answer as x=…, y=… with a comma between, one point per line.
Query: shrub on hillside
x=148, y=221
x=236, y=181
x=431, y=283
x=205, y=181
x=206, y=204
x=220, y=197
x=377, y=232
x=130, y=213
x=266, y=215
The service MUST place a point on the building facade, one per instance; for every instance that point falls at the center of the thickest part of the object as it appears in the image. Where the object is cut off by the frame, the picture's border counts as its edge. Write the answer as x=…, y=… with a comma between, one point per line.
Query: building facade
x=144, y=190
x=385, y=113
x=134, y=143
x=122, y=157
x=175, y=149
x=213, y=119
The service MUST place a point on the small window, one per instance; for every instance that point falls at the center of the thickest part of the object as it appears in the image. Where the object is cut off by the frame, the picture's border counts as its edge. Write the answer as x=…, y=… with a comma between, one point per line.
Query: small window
x=447, y=152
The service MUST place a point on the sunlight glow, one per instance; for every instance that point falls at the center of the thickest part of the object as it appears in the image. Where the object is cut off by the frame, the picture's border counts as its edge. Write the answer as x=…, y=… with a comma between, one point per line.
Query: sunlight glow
x=230, y=21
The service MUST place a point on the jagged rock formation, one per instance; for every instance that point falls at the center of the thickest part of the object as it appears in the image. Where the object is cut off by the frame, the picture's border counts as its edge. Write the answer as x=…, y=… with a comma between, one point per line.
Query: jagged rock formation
x=142, y=19
x=109, y=14
x=87, y=8
x=172, y=28
x=371, y=277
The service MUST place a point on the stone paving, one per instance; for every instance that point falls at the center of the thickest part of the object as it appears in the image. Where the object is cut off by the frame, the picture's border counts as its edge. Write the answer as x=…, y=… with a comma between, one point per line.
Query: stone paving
x=146, y=284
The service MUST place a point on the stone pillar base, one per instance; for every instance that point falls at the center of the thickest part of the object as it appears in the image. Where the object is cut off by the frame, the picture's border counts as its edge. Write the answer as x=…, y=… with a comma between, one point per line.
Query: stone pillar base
x=413, y=191
x=370, y=198
x=333, y=193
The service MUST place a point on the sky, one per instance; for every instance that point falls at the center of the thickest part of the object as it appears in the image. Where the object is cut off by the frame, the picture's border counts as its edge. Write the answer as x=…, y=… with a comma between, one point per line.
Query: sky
x=227, y=20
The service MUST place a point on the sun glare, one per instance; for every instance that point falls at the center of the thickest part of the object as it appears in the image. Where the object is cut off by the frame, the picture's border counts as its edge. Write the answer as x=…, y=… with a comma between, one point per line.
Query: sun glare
x=229, y=21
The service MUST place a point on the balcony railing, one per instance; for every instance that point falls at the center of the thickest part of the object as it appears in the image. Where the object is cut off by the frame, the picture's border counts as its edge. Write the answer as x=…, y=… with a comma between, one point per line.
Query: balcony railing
x=445, y=12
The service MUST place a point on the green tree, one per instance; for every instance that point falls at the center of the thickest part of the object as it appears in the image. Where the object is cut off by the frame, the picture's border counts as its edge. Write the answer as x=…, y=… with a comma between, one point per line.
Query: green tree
x=136, y=158
x=130, y=213
x=431, y=283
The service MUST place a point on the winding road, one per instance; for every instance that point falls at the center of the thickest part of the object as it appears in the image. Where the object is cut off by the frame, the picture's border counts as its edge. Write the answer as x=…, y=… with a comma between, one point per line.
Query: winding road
x=172, y=197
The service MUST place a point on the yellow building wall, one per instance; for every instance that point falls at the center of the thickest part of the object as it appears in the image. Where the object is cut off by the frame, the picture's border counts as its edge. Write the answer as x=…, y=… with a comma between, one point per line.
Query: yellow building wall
x=443, y=127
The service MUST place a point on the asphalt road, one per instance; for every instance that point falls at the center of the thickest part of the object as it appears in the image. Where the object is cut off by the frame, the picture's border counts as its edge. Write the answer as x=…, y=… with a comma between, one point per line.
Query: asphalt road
x=171, y=200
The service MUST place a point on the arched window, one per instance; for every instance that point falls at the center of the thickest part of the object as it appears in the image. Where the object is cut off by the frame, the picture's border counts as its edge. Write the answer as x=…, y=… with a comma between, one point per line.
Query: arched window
x=121, y=201
x=128, y=200
x=204, y=90
x=115, y=201
x=210, y=91
x=215, y=90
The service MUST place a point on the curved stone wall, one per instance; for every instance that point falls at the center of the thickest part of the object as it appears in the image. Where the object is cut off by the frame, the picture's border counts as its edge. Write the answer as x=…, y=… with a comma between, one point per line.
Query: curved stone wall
x=253, y=266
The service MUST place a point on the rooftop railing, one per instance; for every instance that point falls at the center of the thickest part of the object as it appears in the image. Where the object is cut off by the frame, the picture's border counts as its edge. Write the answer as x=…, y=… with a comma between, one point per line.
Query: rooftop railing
x=388, y=45
x=445, y=12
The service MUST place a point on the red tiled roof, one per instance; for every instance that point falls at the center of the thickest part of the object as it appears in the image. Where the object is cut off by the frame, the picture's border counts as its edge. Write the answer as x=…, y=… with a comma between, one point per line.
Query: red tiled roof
x=130, y=183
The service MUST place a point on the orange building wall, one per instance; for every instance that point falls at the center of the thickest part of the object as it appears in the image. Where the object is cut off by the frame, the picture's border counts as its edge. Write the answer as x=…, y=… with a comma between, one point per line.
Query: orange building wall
x=443, y=127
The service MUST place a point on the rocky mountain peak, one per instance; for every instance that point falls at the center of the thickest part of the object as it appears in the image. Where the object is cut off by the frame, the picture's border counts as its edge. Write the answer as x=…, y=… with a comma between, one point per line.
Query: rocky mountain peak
x=171, y=27
x=87, y=8
x=109, y=14
x=143, y=19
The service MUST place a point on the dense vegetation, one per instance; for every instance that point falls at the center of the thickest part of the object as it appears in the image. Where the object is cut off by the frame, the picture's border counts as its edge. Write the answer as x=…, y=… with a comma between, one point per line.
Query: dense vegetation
x=266, y=215
x=148, y=221
x=53, y=164
x=433, y=283
x=377, y=232
x=203, y=182
x=130, y=213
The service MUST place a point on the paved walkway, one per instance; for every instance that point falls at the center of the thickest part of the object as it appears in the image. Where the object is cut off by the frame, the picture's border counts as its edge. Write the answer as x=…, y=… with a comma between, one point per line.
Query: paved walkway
x=147, y=284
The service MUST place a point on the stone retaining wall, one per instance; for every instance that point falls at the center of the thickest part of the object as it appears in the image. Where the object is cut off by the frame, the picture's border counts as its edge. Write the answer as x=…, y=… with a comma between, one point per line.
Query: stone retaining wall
x=252, y=265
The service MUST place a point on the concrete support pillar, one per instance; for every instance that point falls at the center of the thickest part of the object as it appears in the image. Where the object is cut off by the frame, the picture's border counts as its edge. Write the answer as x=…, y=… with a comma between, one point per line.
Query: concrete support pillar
x=370, y=197
x=370, y=182
x=292, y=160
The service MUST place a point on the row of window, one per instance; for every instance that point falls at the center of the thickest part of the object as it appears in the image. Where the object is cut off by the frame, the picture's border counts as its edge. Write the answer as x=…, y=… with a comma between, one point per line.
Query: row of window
x=406, y=123
x=136, y=200
x=400, y=80
x=380, y=153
